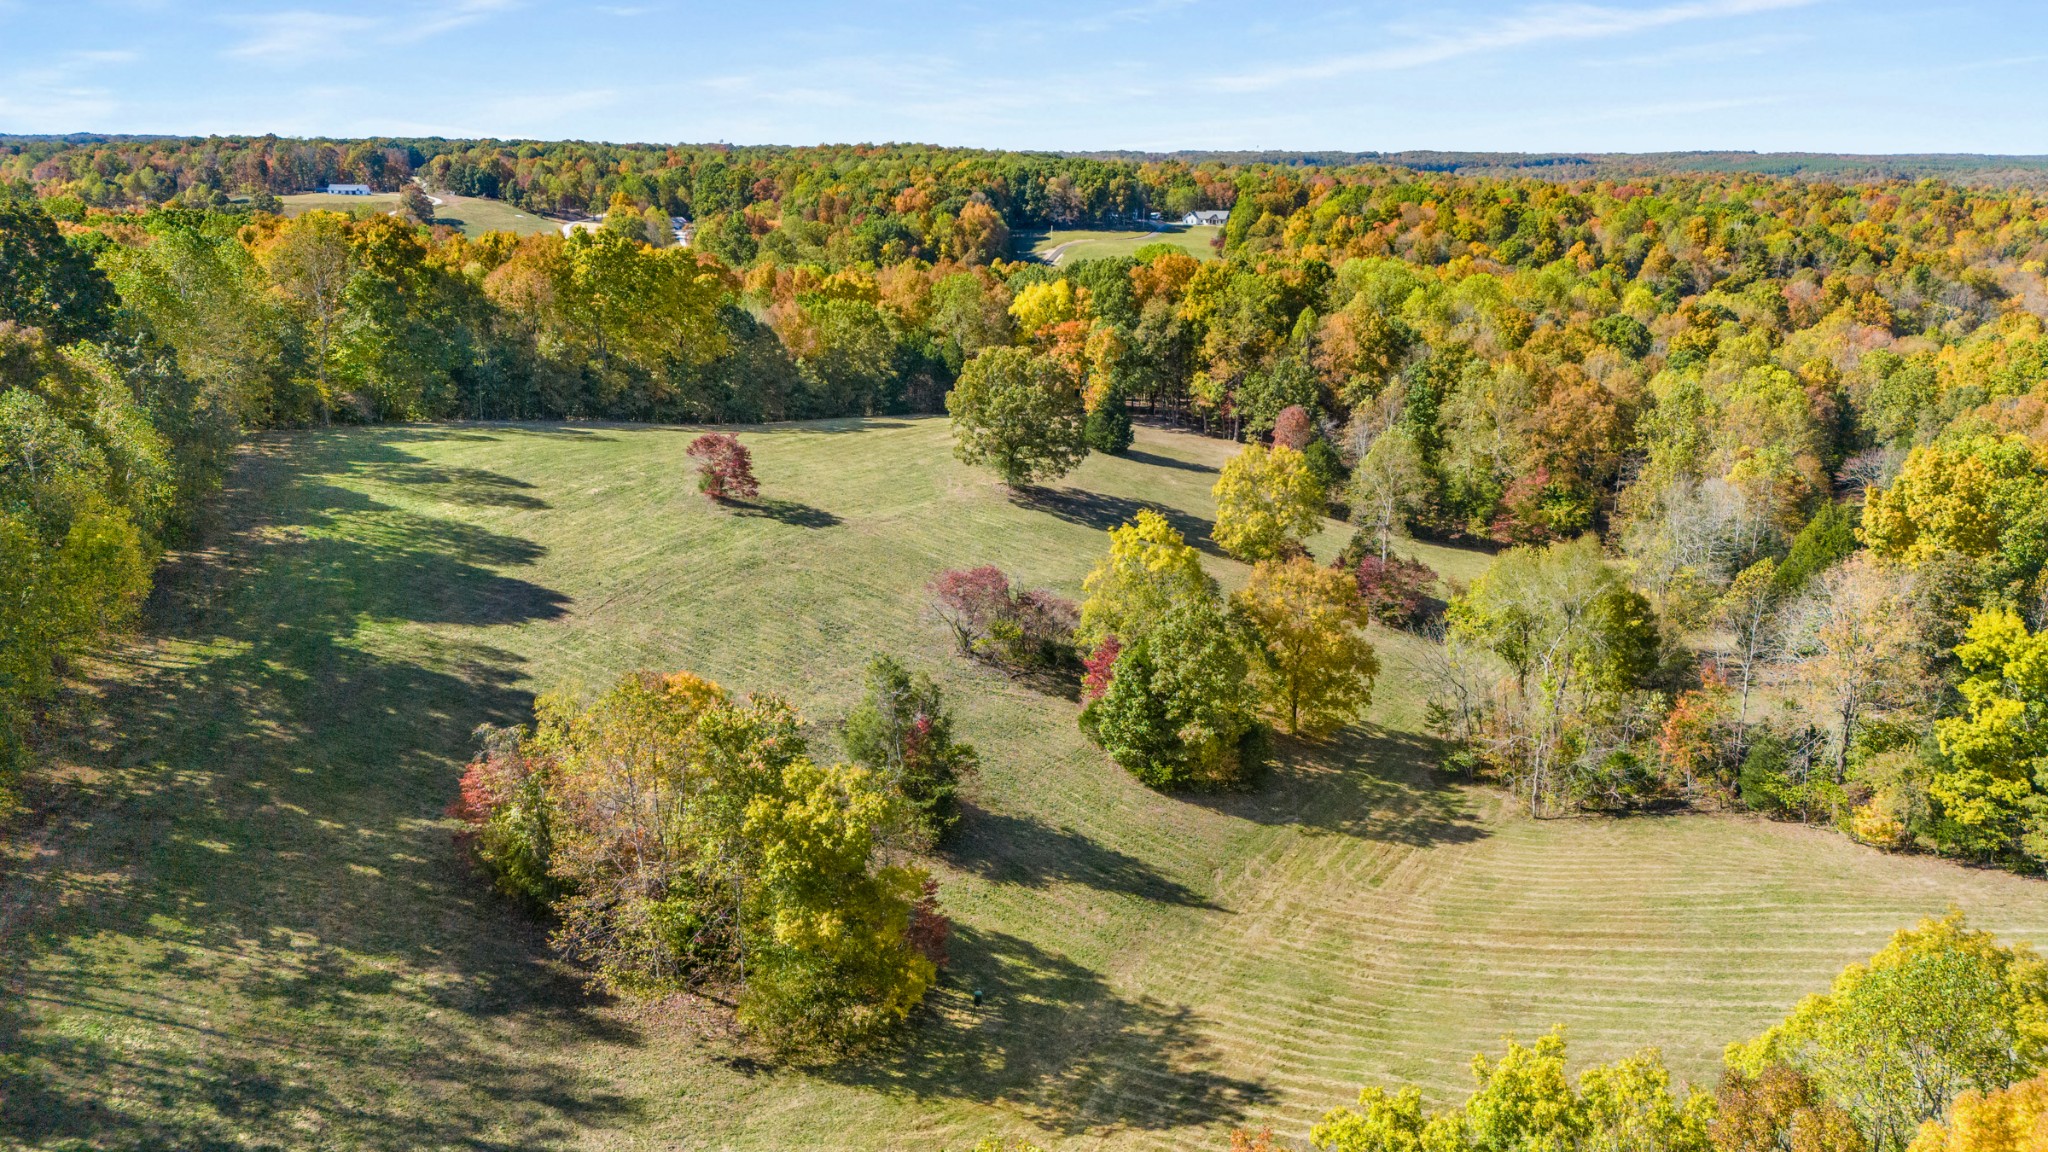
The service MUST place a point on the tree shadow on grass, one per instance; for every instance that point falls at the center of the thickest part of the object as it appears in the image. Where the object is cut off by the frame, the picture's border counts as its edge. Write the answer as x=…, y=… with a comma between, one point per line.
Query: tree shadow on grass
x=247, y=925
x=788, y=512
x=1097, y=510
x=1052, y=1040
x=1139, y=455
x=1367, y=781
x=837, y=424
x=1009, y=849
x=475, y=486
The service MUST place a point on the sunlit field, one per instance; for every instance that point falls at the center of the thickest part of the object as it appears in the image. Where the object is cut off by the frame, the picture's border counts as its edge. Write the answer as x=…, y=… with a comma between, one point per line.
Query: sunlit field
x=243, y=922
x=1064, y=246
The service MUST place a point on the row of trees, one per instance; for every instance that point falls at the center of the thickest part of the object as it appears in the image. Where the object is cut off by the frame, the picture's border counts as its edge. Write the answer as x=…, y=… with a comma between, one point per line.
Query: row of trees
x=1937, y=1044
x=106, y=447
x=684, y=838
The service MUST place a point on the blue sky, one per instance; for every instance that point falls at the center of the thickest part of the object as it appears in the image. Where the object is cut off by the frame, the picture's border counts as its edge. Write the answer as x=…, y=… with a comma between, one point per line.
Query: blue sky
x=1820, y=75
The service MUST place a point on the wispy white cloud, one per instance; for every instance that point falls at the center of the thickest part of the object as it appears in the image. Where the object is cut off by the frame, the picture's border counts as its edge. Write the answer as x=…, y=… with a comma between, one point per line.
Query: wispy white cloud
x=449, y=17
x=1549, y=23
x=1714, y=51
x=286, y=38
x=282, y=39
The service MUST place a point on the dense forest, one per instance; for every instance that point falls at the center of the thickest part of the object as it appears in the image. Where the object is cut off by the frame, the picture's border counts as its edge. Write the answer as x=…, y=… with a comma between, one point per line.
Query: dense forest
x=1803, y=420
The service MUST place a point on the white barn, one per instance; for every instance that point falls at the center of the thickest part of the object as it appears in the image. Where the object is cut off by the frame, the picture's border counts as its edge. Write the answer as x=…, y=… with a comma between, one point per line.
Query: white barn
x=348, y=189
x=1210, y=216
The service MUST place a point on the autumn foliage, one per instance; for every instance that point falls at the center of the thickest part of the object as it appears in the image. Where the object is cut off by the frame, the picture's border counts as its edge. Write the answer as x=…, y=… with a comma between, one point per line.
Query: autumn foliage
x=1018, y=630
x=725, y=469
x=1393, y=590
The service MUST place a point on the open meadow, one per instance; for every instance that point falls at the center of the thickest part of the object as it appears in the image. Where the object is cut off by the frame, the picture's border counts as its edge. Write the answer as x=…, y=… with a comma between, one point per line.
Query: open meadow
x=472, y=215
x=1064, y=245
x=476, y=215
x=240, y=921
x=298, y=202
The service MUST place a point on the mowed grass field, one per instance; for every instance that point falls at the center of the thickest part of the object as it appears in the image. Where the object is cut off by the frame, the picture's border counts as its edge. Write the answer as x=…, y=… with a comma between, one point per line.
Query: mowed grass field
x=1062, y=246
x=299, y=202
x=474, y=215
x=241, y=921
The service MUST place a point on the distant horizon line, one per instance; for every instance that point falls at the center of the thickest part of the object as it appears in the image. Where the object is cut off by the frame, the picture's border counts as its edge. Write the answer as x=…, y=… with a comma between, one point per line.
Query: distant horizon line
x=1351, y=153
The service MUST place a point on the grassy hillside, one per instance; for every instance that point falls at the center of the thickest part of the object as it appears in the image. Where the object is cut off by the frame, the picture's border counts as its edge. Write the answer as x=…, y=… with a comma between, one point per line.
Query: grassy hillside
x=308, y=201
x=474, y=215
x=1061, y=246
x=244, y=924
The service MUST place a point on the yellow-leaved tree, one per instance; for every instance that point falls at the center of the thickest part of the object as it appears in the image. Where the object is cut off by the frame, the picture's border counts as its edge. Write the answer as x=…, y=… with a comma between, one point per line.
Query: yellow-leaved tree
x=2011, y=1119
x=1315, y=667
x=1267, y=502
x=1957, y=498
x=1149, y=569
x=1526, y=1100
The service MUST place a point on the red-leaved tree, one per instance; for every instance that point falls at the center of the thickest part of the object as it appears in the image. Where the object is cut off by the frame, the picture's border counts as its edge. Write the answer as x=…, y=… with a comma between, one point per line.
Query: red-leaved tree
x=1394, y=590
x=930, y=927
x=1291, y=428
x=970, y=601
x=1020, y=631
x=725, y=469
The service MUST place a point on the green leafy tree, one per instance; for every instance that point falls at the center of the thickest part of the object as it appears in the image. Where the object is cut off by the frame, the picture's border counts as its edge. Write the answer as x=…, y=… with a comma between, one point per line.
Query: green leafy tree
x=414, y=205
x=46, y=282
x=1017, y=414
x=679, y=836
x=1571, y=632
x=311, y=262
x=1268, y=501
x=1388, y=486
x=1827, y=539
x=1180, y=711
x=830, y=963
x=902, y=731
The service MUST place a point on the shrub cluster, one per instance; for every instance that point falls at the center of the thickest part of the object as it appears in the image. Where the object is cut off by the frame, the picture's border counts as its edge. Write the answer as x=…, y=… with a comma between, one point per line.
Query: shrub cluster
x=1026, y=631
x=683, y=838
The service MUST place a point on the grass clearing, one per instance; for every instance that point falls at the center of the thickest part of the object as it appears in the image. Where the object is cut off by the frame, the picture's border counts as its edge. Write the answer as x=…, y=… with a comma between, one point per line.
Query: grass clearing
x=241, y=922
x=476, y=215
x=1064, y=245
x=473, y=215
x=300, y=202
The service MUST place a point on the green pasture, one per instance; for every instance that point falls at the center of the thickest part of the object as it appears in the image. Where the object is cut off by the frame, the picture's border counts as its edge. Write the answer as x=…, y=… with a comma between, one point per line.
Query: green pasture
x=299, y=202
x=239, y=920
x=1062, y=246
x=474, y=215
